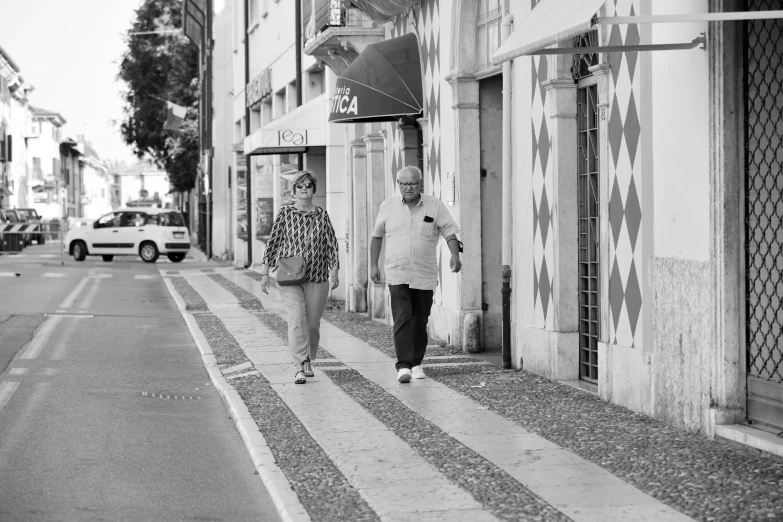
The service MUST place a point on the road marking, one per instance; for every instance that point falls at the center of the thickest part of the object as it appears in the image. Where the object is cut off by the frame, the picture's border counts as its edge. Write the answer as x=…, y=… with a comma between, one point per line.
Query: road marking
x=7, y=389
x=50, y=372
x=140, y=276
x=40, y=338
x=102, y=276
x=90, y=297
x=9, y=274
x=53, y=274
x=18, y=371
x=72, y=296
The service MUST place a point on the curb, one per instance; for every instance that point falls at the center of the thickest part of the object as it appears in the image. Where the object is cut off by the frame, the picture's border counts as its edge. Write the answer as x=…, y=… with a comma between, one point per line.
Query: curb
x=285, y=500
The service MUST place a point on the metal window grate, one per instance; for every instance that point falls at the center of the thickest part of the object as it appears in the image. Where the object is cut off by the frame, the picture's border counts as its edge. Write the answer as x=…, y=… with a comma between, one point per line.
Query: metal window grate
x=587, y=171
x=764, y=214
x=582, y=62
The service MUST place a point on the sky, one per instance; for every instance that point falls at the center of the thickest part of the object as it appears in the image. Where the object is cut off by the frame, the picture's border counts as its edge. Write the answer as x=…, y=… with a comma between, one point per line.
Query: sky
x=69, y=51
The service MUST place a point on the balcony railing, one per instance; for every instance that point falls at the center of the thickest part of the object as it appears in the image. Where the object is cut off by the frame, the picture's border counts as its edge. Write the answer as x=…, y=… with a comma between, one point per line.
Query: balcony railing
x=331, y=13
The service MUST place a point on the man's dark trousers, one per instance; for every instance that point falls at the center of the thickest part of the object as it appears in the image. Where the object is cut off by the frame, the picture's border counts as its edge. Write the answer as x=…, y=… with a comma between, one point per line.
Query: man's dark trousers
x=410, y=310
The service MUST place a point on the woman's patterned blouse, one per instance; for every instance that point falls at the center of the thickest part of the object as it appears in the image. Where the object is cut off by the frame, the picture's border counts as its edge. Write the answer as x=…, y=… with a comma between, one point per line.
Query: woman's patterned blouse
x=308, y=234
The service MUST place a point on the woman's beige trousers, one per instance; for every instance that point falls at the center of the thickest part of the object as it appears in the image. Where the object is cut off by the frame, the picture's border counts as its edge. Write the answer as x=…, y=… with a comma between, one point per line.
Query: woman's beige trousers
x=305, y=305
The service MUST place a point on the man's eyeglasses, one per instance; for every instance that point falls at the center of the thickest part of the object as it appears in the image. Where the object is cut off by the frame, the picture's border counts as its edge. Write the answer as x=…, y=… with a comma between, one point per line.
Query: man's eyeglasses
x=307, y=185
x=413, y=184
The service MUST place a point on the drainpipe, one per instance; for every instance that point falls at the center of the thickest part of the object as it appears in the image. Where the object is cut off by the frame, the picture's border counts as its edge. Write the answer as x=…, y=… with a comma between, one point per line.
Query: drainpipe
x=506, y=202
x=298, y=32
x=248, y=170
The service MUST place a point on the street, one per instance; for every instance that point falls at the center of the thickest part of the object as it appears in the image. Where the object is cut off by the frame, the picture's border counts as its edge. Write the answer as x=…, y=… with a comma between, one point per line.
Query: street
x=106, y=410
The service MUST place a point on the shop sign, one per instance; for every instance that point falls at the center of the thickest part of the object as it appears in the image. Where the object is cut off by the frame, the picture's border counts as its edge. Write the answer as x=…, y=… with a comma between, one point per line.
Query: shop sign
x=258, y=88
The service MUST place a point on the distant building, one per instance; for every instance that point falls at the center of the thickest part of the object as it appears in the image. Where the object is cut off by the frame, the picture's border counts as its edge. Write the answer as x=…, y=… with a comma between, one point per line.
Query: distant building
x=15, y=128
x=46, y=181
x=141, y=185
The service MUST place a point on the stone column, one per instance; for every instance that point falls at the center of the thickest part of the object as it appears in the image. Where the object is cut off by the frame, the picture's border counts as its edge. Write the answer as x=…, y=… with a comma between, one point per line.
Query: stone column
x=376, y=193
x=467, y=208
x=358, y=241
x=564, y=354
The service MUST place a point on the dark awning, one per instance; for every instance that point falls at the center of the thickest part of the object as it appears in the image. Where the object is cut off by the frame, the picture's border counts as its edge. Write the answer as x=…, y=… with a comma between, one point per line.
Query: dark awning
x=382, y=84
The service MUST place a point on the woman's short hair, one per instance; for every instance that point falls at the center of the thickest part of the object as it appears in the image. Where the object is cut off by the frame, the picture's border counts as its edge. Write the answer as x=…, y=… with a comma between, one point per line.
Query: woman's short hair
x=303, y=175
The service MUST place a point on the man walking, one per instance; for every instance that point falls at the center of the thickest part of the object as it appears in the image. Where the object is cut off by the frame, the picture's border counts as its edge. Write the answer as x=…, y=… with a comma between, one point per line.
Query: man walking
x=411, y=226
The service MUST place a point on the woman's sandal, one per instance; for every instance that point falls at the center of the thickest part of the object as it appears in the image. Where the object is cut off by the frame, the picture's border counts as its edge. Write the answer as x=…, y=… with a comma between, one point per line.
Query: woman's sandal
x=308, y=370
x=299, y=378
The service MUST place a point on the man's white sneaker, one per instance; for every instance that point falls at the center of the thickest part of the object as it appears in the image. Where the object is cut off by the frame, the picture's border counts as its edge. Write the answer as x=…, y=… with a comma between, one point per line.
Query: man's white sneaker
x=418, y=372
x=404, y=375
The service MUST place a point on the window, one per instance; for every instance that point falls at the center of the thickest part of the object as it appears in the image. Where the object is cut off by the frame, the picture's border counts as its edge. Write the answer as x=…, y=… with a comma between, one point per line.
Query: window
x=280, y=108
x=266, y=111
x=133, y=219
x=108, y=221
x=488, y=33
x=255, y=118
x=315, y=84
x=291, y=95
x=37, y=172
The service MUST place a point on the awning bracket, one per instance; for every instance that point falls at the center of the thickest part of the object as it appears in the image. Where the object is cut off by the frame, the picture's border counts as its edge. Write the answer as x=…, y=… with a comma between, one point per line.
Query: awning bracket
x=700, y=41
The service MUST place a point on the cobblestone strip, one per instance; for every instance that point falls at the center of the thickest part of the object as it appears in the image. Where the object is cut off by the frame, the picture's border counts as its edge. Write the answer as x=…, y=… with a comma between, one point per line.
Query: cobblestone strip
x=704, y=479
x=193, y=300
x=495, y=489
x=246, y=299
x=225, y=348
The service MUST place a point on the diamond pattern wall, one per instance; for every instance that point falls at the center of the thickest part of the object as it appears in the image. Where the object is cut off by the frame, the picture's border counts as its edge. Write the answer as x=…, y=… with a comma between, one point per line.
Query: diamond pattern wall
x=625, y=211
x=543, y=251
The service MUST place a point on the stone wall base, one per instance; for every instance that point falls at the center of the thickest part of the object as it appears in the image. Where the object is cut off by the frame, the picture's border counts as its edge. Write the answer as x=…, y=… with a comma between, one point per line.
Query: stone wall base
x=554, y=355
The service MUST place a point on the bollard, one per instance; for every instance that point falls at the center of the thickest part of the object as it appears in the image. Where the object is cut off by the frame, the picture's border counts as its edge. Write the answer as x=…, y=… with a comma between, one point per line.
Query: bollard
x=471, y=333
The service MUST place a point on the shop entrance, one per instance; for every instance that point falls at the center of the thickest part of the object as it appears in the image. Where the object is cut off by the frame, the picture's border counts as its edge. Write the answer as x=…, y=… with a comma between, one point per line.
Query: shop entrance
x=491, y=139
x=764, y=216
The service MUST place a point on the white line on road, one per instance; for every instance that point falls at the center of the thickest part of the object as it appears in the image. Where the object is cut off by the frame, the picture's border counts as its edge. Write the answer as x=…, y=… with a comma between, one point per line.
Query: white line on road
x=7, y=389
x=9, y=274
x=18, y=371
x=102, y=276
x=72, y=296
x=40, y=338
x=90, y=297
x=140, y=276
x=53, y=274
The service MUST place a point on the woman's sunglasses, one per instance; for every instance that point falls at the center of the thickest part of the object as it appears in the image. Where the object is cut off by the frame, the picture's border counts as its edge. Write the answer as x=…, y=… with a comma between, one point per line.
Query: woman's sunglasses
x=307, y=185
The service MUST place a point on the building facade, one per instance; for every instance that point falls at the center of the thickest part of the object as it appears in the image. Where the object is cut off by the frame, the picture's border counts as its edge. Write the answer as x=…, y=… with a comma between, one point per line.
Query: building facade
x=615, y=179
x=48, y=184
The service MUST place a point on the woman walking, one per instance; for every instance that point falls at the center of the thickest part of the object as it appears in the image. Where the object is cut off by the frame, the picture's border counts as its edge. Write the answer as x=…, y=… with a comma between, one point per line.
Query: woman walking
x=303, y=229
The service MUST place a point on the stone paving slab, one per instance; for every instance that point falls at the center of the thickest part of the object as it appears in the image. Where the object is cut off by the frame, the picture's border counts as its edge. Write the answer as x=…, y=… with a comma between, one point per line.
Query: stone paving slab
x=578, y=488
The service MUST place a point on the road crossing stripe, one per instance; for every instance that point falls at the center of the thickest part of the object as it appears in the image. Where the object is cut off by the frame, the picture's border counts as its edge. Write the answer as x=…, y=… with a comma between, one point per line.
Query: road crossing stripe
x=140, y=276
x=7, y=389
x=72, y=296
x=18, y=371
x=41, y=337
x=52, y=274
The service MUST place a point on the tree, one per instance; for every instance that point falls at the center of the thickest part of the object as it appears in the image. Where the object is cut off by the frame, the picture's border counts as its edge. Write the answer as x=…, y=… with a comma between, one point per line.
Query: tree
x=159, y=68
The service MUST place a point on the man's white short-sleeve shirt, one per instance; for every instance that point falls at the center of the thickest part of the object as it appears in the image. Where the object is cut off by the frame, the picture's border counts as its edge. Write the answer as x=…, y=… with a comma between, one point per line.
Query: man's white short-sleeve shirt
x=411, y=237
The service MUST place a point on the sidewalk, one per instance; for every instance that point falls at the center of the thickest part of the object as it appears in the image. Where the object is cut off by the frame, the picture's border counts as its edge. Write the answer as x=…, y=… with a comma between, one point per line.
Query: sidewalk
x=471, y=442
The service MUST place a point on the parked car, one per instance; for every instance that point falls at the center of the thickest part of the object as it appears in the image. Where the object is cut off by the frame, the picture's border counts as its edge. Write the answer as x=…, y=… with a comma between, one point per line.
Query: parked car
x=33, y=218
x=146, y=232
